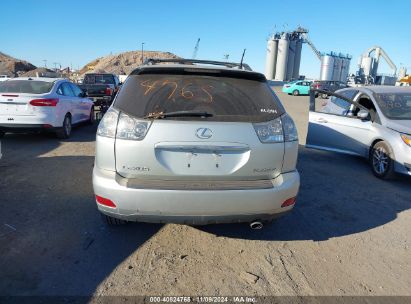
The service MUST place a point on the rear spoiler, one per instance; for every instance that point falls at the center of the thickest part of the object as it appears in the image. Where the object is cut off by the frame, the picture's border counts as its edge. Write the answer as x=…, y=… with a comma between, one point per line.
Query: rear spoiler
x=196, y=70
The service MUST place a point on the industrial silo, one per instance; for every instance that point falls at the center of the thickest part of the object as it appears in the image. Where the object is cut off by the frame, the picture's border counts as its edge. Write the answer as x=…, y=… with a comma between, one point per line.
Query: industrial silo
x=290, y=59
x=366, y=65
x=271, y=59
x=297, y=59
x=337, y=69
x=282, y=56
x=345, y=69
x=327, y=67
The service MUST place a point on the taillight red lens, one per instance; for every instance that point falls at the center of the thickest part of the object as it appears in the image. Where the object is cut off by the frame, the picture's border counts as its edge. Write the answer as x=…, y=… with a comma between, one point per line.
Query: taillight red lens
x=289, y=202
x=45, y=102
x=105, y=202
x=109, y=91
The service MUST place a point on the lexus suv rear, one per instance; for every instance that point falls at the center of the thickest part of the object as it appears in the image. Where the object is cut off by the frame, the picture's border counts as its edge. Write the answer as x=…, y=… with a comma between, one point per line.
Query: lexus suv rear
x=189, y=142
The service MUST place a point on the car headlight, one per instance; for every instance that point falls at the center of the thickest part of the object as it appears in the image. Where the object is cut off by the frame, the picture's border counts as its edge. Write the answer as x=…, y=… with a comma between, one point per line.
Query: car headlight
x=406, y=139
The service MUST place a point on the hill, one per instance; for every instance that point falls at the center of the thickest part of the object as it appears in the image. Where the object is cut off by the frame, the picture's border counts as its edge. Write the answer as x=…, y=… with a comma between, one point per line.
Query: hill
x=13, y=67
x=123, y=63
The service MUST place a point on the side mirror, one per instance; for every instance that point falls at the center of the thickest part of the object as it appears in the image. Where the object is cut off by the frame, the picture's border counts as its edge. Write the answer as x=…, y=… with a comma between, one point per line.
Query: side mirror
x=363, y=114
x=84, y=94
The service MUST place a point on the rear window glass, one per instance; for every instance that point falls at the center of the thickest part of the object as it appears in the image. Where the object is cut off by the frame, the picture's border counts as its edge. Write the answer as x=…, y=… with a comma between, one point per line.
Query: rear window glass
x=25, y=86
x=228, y=99
x=98, y=79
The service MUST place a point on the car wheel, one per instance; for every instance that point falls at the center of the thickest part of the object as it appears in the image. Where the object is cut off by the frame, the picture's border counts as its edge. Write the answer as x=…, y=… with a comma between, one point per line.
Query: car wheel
x=296, y=93
x=92, y=117
x=382, y=160
x=2, y=133
x=112, y=221
x=65, y=131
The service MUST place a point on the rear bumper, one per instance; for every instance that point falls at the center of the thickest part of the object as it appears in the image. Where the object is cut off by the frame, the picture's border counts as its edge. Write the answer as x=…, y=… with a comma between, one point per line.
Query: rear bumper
x=195, y=206
x=15, y=128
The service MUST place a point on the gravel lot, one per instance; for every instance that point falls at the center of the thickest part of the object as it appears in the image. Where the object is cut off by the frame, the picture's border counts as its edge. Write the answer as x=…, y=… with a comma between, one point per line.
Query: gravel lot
x=348, y=235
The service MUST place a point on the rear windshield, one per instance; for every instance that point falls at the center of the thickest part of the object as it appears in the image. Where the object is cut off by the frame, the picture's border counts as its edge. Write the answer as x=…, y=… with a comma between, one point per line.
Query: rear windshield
x=25, y=86
x=98, y=79
x=228, y=99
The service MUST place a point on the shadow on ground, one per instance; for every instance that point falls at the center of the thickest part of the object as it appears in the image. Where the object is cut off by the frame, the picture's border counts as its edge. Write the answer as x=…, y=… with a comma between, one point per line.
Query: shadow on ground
x=53, y=239
x=339, y=196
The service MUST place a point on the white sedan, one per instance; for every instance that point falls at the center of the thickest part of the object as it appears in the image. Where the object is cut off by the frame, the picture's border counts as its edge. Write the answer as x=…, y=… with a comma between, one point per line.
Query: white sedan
x=372, y=121
x=37, y=103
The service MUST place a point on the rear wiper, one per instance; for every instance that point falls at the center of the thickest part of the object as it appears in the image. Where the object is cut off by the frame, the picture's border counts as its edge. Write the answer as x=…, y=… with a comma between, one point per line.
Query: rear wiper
x=160, y=115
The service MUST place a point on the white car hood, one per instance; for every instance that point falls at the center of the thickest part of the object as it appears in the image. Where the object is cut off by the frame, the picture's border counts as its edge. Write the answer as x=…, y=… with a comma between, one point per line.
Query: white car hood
x=403, y=126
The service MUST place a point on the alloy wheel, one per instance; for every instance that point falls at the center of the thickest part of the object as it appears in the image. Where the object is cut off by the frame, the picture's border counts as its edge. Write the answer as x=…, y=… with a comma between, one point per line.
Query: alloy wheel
x=380, y=160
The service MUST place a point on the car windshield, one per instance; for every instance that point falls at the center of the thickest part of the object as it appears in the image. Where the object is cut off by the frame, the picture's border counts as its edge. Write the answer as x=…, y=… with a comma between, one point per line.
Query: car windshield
x=25, y=86
x=224, y=98
x=98, y=79
x=395, y=105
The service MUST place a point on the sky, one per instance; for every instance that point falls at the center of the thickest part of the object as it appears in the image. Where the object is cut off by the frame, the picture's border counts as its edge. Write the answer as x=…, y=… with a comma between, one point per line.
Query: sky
x=75, y=32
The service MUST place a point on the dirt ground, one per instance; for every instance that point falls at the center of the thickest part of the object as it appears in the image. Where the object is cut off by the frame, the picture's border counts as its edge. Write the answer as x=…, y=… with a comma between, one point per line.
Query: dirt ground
x=348, y=235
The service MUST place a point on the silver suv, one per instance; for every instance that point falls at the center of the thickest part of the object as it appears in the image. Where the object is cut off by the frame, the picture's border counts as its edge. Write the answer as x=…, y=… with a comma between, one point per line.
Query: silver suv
x=195, y=142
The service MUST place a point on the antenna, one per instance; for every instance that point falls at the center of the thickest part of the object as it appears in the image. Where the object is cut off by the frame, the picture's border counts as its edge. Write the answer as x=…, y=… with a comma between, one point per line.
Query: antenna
x=196, y=49
x=242, y=58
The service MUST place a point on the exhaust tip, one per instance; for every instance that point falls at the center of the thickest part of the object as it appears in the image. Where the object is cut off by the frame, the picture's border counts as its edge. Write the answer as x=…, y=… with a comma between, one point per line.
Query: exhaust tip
x=256, y=225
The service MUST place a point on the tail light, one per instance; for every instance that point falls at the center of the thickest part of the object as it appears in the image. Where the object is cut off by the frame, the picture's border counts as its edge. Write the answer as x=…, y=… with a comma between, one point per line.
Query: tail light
x=317, y=86
x=44, y=102
x=289, y=202
x=105, y=201
x=109, y=91
x=278, y=130
x=131, y=128
x=122, y=126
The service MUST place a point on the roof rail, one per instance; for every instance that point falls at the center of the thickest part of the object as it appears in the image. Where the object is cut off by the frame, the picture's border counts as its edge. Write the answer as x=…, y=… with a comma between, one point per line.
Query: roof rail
x=152, y=61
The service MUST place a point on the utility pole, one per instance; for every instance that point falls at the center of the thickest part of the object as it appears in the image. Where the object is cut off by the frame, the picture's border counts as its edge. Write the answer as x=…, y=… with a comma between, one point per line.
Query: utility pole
x=45, y=63
x=55, y=65
x=196, y=49
x=142, y=52
x=225, y=56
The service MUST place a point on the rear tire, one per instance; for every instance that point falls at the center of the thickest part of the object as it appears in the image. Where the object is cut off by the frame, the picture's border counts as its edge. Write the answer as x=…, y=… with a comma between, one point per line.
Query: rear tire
x=65, y=131
x=382, y=161
x=92, y=117
x=296, y=92
x=112, y=221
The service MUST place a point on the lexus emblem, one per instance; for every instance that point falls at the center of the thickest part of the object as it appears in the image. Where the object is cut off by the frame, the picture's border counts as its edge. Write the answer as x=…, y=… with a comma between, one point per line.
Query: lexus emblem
x=204, y=133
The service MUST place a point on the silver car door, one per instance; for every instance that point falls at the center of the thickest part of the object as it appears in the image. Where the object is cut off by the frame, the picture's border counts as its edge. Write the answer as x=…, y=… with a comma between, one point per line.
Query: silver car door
x=332, y=126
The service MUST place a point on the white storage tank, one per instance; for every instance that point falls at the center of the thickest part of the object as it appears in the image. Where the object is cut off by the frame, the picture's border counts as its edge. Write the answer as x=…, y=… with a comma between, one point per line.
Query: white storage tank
x=271, y=59
x=337, y=69
x=345, y=69
x=297, y=59
x=366, y=65
x=327, y=67
x=282, y=56
x=290, y=59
